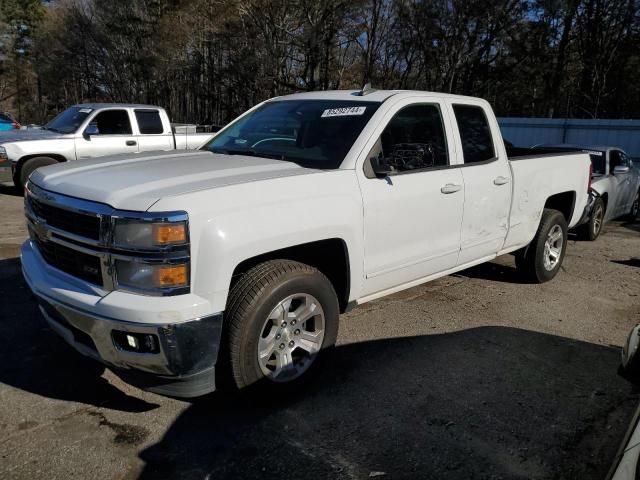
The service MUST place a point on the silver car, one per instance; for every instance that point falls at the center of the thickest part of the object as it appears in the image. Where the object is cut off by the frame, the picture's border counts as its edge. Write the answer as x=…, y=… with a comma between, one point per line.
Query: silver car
x=615, y=183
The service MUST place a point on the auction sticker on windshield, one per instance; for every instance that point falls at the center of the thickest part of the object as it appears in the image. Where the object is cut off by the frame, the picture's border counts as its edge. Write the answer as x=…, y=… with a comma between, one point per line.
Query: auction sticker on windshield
x=343, y=111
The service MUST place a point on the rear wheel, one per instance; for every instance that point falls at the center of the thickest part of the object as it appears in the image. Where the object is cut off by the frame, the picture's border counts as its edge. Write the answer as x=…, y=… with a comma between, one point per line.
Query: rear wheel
x=592, y=229
x=28, y=167
x=541, y=260
x=281, y=315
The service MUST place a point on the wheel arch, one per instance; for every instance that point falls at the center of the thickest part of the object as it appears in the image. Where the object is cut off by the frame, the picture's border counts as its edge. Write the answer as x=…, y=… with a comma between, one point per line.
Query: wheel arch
x=329, y=256
x=54, y=156
x=564, y=202
x=605, y=200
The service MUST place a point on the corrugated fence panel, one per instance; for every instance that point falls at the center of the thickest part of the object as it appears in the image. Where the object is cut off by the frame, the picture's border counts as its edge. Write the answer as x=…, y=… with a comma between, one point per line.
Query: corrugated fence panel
x=624, y=134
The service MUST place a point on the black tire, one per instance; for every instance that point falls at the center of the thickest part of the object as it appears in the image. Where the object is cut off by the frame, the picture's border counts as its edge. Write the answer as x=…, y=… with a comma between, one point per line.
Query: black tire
x=530, y=261
x=593, y=228
x=29, y=166
x=250, y=303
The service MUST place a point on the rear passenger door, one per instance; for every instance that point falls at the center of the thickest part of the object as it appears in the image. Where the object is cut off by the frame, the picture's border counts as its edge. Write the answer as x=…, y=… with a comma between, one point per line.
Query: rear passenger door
x=153, y=135
x=411, y=217
x=487, y=183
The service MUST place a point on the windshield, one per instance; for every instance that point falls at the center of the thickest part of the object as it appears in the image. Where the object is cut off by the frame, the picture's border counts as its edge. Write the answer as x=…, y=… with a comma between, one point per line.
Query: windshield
x=69, y=120
x=597, y=161
x=312, y=133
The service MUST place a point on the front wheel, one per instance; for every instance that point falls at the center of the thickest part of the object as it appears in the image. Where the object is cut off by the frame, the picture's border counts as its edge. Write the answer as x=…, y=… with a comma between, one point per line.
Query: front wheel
x=541, y=260
x=281, y=315
x=29, y=167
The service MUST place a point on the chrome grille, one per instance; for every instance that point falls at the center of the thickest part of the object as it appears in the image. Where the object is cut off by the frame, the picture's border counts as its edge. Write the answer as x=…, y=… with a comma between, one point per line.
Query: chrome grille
x=78, y=264
x=75, y=236
x=85, y=225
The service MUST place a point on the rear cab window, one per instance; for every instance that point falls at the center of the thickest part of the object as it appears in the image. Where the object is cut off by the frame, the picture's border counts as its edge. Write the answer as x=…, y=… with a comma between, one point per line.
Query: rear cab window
x=149, y=122
x=475, y=133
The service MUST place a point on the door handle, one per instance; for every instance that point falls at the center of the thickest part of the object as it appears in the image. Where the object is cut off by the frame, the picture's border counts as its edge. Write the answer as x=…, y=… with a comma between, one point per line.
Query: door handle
x=501, y=180
x=131, y=143
x=451, y=188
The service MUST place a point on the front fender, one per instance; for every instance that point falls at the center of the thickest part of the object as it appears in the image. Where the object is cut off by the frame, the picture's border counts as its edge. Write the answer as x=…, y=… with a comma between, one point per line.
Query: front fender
x=231, y=224
x=55, y=148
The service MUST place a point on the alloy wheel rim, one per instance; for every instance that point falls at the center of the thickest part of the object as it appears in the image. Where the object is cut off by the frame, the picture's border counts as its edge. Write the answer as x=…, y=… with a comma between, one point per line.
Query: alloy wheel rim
x=597, y=220
x=553, y=248
x=291, y=337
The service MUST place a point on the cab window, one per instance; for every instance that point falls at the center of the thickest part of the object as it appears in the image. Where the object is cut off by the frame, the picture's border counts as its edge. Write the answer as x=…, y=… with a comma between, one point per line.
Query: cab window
x=149, y=122
x=475, y=134
x=414, y=139
x=615, y=159
x=112, y=122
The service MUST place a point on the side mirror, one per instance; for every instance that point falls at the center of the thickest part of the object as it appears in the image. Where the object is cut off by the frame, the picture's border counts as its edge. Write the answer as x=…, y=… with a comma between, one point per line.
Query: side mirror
x=92, y=129
x=621, y=169
x=380, y=169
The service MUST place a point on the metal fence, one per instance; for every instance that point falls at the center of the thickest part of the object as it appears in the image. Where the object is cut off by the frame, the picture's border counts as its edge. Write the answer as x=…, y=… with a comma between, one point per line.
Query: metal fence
x=526, y=132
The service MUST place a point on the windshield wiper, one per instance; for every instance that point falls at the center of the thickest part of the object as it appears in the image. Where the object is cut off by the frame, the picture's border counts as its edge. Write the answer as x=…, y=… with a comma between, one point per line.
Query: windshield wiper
x=53, y=129
x=249, y=152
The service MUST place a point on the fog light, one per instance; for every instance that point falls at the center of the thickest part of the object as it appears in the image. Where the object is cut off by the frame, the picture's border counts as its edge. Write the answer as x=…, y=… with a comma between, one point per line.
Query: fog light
x=135, y=342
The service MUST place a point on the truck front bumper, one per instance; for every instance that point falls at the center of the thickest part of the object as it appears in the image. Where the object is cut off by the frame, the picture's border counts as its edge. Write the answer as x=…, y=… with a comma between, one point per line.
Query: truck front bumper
x=177, y=358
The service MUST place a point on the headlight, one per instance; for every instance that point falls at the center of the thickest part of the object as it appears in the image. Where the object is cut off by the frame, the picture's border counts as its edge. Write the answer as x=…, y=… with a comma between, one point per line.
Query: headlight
x=148, y=235
x=3, y=154
x=152, y=253
x=144, y=276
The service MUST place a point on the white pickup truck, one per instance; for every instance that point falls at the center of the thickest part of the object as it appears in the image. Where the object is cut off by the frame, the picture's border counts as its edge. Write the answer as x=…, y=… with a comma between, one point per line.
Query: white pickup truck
x=236, y=260
x=93, y=130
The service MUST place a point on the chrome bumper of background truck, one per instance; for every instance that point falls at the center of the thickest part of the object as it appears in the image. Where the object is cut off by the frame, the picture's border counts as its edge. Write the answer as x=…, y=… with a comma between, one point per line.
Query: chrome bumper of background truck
x=182, y=366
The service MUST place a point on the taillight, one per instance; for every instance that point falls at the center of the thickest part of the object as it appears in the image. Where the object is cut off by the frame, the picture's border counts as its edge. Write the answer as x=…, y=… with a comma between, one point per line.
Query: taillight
x=16, y=125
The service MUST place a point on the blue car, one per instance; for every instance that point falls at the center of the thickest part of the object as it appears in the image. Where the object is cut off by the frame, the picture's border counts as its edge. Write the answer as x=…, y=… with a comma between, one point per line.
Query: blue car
x=8, y=123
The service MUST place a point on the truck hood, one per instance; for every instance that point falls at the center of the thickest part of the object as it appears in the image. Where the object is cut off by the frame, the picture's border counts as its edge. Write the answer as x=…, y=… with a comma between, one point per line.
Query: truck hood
x=136, y=183
x=11, y=136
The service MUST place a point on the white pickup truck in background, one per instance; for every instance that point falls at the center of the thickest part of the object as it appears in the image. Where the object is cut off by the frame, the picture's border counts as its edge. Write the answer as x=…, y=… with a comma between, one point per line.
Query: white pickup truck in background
x=94, y=130
x=236, y=260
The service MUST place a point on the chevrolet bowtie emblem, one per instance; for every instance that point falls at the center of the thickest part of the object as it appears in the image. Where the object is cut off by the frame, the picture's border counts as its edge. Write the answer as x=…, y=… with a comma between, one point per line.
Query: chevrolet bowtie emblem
x=41, y=230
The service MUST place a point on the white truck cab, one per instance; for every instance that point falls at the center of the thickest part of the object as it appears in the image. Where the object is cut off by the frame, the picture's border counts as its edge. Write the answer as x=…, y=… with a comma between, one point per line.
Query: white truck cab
x=176, y=268
x=93, y=130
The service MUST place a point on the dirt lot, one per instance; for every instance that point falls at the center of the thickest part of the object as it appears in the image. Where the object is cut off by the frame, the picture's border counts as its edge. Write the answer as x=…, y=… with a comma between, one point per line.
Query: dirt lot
x=472, y=376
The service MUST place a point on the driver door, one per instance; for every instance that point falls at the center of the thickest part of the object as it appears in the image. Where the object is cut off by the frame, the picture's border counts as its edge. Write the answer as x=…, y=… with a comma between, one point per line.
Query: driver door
x=412, y=217
x=107, y=133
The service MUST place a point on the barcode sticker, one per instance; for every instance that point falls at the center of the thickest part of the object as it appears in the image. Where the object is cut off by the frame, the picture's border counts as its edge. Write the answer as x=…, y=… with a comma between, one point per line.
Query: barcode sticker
x=343, y=112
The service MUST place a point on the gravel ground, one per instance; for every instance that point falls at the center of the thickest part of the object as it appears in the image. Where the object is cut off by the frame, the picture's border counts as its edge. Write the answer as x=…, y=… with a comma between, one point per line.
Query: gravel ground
x=475, y=375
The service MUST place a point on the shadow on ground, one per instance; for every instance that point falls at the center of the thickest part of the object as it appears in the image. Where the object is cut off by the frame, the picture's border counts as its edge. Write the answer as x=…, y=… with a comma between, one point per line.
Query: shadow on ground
x=490, y=402
x=7, y=188
x=33, y=358
x=631, y=262
x=635, y=226
x=493, y=271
